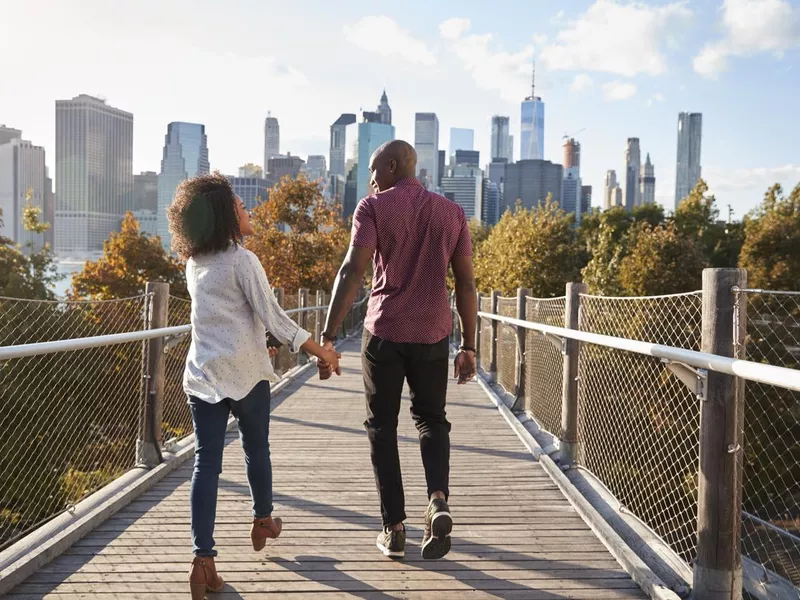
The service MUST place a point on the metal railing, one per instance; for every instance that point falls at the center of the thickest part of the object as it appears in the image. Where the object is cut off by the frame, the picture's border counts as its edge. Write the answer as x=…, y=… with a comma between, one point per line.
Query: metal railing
x=92, y=389
x=641, y=392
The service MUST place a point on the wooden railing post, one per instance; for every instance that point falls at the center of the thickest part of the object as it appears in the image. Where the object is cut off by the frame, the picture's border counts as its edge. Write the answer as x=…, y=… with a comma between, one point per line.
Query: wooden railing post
x=302, y=320
x=522, y=336
x=569, y=390
x=319, y=322
x=718, y=568
x=493, y=343
x=478, y=335
x=148, y=452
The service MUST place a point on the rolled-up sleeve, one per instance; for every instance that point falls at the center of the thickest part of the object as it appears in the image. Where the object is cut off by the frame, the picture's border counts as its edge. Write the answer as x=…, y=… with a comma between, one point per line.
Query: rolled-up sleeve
x=253, y=281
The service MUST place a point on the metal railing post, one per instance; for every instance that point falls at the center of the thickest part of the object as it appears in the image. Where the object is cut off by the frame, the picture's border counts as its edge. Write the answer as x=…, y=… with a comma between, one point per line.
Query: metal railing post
x=569, y=390
x=717, y=572
x=320, y=316
x=148, y=452
x=302, y=320
x=521, y=335
x=493, y=343
x=478, y=335
x=279, y=296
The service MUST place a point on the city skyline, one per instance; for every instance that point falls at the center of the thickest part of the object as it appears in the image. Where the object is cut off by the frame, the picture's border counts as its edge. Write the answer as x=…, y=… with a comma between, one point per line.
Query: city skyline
x=663, y=64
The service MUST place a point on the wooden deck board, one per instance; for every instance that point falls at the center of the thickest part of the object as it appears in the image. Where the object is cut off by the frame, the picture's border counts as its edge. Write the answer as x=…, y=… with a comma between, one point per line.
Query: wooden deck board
x=515, y=535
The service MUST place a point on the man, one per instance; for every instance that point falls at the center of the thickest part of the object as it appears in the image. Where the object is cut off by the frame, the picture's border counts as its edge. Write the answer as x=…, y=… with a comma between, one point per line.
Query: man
x=412, y=236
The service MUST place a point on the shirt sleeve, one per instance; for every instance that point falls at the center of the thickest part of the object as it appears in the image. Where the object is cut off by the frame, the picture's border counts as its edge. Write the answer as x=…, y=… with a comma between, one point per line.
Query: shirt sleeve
x=464, y=243
x=365, y=229
x=253, y=281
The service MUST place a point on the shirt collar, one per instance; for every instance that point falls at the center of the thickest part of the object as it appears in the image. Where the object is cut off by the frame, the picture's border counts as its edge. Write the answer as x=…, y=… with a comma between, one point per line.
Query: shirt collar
x=413, y=181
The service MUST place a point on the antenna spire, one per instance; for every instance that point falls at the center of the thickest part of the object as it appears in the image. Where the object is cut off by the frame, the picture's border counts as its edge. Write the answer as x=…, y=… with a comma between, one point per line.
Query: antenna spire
x=533, y=79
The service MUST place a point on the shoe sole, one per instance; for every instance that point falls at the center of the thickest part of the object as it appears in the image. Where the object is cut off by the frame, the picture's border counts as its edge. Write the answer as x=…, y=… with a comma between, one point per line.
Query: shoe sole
x=439, y=544
x=390, y=553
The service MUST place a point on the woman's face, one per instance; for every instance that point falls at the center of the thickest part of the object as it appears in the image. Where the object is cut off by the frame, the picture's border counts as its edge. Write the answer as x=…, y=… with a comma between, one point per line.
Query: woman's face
x=244, y=218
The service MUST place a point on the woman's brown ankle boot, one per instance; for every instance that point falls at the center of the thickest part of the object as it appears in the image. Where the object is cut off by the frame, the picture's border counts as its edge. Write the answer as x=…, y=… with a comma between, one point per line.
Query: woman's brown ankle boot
x=204, y=578
x=263, y=530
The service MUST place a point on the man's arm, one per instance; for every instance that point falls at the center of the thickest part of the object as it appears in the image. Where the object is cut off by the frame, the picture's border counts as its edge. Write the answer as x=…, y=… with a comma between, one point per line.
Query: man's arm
x=345, y=288
x=466, y=298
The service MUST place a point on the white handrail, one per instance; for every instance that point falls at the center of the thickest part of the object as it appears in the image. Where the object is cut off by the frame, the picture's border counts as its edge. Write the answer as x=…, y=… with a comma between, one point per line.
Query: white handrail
x=98, y=341
x=768, y=374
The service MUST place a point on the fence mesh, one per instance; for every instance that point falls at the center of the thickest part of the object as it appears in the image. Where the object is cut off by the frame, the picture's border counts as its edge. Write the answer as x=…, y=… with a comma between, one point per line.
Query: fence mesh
x=634, y=401
x=771, y=493
x=177, y=417
x=69, y=420
x=544, y=364
x=507, y=346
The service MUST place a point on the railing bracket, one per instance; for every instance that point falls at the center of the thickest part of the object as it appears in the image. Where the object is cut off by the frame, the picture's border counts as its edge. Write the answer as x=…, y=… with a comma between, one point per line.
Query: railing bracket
x=557, y=341
x=171, y=341
x=696, y=380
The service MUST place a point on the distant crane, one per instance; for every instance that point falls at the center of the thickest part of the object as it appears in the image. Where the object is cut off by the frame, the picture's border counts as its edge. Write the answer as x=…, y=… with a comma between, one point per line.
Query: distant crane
x=573, y=134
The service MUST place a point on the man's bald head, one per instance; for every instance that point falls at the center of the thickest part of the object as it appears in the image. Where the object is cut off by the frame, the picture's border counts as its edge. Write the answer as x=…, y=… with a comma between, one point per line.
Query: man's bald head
x=392, y=162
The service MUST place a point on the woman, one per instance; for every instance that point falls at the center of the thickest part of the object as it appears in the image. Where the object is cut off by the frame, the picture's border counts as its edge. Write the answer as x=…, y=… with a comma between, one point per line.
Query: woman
x=227, y=369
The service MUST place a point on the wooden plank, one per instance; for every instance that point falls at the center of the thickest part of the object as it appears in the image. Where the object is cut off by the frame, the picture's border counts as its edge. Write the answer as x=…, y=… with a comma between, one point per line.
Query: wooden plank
x=515, y=535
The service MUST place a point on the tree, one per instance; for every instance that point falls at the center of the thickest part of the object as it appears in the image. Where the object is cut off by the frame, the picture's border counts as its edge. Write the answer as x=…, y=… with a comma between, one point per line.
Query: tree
x=479, y=232
x=130, y=259
x=661, y=261
x=299, y=237
x=532, y=248
x=771, y=249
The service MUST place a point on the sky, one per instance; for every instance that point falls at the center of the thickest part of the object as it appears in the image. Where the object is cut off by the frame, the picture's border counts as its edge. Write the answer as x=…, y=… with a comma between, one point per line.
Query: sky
x=606, y=70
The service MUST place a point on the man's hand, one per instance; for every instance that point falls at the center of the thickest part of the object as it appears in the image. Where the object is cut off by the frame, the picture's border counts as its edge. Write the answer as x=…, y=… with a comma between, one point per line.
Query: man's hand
x=465, y=366
x=272, y=351
x=325, y=369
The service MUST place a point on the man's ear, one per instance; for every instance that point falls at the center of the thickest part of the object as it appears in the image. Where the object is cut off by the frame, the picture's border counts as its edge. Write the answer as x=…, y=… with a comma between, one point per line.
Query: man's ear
x=392, y=165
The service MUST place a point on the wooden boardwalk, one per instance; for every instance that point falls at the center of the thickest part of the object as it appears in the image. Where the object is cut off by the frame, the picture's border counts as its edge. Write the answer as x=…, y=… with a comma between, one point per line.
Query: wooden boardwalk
x=515, y=535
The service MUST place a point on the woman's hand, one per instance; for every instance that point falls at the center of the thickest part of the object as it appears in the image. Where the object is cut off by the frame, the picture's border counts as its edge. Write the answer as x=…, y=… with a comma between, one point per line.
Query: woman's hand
x=330, y=360
x=272, y=351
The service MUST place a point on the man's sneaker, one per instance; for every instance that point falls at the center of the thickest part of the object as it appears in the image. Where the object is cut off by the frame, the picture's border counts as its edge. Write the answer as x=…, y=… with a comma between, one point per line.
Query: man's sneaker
x=438, y=525
x=392, y=543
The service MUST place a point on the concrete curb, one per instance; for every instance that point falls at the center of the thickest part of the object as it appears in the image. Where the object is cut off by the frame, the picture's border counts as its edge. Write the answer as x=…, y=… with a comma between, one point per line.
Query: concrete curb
x=627, y=558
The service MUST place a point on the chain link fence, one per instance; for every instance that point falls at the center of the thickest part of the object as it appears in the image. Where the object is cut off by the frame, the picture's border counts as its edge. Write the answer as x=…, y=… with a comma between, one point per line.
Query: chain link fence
x=176, y=416
x=544, y=364
x=507, y=346
x=633, y=401
x=69, y=420
x=485, y=325
x=771, y=492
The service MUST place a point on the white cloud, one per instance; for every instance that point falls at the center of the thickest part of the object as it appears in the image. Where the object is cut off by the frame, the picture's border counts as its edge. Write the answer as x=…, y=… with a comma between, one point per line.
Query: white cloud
x=614, y=37
x=722, y=181
x=539, y=39
x=618, y=90
x=491, y=68
x=452, y=29
x=750, y=27
x=384, y=36
x=657, y=97
x=581, y=83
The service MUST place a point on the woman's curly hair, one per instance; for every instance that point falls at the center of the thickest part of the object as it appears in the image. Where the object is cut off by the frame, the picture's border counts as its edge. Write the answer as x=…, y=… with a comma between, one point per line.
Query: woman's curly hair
x=203, y=217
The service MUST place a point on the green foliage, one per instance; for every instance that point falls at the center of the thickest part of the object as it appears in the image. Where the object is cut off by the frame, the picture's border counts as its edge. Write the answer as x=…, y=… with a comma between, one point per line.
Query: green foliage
x=661, y=261
x=535, y=248
x=771, y=249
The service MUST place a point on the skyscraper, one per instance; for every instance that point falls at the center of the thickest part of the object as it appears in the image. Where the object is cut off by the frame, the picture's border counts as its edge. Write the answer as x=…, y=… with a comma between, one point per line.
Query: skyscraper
x=442, y=167
x=253, y=190
x=94, y=173
x=9, y=133
x=284, y=166
x=633, y=165
x=185, y=155
x=572, y=154
x=461, y=139
x=338, y=149
x=610, y=184
x=532, y=124
x=384, y=110
x=586, y=199
x=571, y=192
x=145, y=191
x=648, y=182
x=501, y=142
x=464, y=186
x=23, y=182
x=371, y=136
x=467, y=158
x=531, y=181
x=316, y=168
x=426, y=143
x=690, y=134
x=272, y=139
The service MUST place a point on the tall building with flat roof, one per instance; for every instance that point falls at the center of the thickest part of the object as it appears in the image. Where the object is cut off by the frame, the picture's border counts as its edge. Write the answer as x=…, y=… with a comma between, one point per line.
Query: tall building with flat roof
x=631, y=191
x=531, y=182
x=339, y=138
x=145, y=191
x=23, y=182
x=426, y=143
x=371, y=136
x=501, y=138
x=94, y=173
x=687, y=167
x=252, y=190
x=464, y=186
x=272, y=139
x=461, y=139
x=185, y=155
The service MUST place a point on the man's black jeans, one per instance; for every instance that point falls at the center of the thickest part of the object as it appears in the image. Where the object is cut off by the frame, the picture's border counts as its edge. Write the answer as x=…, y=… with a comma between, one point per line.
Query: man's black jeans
x=387, y=366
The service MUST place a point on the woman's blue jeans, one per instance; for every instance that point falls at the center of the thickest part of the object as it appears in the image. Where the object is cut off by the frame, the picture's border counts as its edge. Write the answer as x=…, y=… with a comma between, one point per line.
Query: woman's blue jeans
x=210, y=423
